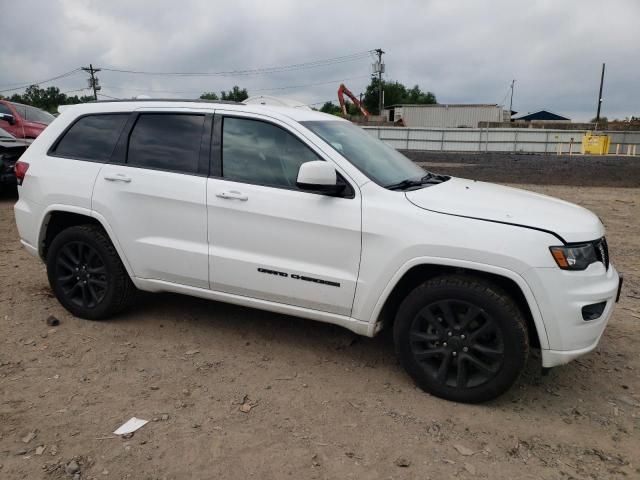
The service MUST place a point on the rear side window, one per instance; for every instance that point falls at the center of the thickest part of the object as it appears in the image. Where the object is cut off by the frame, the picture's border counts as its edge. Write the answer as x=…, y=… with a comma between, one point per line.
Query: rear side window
x=92, y=137
x=166, y=142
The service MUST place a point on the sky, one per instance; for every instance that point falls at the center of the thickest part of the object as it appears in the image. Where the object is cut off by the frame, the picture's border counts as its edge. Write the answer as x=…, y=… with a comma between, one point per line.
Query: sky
x=464, y=51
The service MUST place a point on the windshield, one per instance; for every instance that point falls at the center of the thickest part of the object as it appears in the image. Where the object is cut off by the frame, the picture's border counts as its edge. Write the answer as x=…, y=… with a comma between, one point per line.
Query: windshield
x=377, y=160
x=33, y=114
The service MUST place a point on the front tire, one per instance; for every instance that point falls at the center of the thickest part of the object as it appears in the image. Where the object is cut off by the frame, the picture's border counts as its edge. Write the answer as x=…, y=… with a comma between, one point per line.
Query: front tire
x=461, y=338
x=86, y=274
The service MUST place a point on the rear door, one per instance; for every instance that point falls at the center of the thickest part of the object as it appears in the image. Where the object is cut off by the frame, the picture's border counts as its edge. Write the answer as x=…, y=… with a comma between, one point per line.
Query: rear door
x=269, y=239
x=154, y=197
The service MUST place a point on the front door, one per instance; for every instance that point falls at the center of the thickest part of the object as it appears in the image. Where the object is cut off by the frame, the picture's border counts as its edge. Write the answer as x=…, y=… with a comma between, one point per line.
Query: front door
x=269, y=239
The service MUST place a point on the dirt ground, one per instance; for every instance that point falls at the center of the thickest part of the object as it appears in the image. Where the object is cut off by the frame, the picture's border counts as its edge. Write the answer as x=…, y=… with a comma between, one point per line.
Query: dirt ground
x=575, y=170
x=237, y=393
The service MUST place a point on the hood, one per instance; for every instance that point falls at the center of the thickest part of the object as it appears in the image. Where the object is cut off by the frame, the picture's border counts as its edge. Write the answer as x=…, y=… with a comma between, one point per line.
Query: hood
x=487, y=201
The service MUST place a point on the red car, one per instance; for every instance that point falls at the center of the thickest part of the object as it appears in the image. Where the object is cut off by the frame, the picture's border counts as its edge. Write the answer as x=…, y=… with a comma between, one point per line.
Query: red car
x=23, y=121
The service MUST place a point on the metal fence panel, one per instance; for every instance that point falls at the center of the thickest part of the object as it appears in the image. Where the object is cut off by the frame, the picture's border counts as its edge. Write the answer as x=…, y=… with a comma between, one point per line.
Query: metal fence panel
x=497, y=139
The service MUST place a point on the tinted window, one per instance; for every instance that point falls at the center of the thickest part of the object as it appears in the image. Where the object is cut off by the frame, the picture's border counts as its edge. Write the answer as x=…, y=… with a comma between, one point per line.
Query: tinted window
x=166, y=142
x=261, y=153
x=92, y=137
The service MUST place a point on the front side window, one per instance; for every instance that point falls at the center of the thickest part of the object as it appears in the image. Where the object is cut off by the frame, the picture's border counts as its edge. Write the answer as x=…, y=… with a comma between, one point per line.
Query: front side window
x=92, y=137
x=166, y=142
x=261, y=153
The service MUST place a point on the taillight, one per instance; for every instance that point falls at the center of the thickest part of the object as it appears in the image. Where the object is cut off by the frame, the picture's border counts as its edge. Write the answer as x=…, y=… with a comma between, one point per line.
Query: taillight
x=21, y=171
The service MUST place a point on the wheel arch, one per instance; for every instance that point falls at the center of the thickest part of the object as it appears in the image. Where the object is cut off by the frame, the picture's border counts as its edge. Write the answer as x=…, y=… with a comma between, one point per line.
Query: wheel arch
x=59, y=217
x=418, y=271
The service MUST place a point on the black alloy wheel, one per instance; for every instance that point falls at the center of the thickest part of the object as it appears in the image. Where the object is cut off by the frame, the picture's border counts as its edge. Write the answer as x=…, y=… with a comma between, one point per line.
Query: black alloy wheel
x=82, y=274
x=86, y=274
x=461, y=337
x=457, y=343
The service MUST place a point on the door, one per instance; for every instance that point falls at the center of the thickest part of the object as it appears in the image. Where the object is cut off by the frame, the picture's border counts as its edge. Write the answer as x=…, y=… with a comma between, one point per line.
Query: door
x=155, y=199
x=268, y=239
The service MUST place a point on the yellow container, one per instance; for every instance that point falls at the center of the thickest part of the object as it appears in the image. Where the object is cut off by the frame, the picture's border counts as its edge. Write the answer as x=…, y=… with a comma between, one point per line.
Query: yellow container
x=595, y=144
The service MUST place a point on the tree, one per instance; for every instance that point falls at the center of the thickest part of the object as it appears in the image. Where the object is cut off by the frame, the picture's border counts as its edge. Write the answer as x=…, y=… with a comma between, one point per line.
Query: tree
x=394, y=93
x=330, y=107
x=47, y=99
x=235, y=95
x=209, y=96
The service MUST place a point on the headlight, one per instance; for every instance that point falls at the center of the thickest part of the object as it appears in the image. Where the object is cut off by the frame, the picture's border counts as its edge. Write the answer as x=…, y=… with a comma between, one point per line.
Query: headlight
x=574, y=257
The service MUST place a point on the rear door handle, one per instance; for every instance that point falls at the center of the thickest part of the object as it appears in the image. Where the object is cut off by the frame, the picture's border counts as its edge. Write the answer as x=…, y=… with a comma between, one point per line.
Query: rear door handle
x=117, y=177
x=232, y=195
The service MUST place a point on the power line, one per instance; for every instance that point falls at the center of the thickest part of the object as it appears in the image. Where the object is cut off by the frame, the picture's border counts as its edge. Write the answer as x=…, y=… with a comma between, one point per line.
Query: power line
x=193, y=92
x=254, y=71
x=57, y=77
x=311, y=84
x=76, y=90
x=109, y=96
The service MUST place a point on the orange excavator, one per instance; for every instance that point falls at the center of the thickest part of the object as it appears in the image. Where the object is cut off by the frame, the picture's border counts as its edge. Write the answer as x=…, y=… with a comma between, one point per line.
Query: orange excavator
x=342, y=91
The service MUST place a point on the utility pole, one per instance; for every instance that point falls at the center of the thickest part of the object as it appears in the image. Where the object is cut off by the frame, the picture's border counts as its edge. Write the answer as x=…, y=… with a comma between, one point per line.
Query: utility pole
x=513, y=83
x=378, y=68
x=93, y=81
x=600, y=97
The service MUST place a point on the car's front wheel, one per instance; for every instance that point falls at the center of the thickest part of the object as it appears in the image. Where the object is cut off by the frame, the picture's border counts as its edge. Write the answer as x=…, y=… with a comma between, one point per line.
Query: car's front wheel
x=461, y=338
x=86, y=274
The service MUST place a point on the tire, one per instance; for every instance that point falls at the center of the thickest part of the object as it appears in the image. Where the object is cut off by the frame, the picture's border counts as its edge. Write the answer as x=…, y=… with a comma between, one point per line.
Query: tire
x=86, y=274
x=461, y=338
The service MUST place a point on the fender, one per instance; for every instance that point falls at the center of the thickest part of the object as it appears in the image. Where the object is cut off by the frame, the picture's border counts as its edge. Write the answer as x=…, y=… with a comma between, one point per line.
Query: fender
x=56, y=207
x=375, y=323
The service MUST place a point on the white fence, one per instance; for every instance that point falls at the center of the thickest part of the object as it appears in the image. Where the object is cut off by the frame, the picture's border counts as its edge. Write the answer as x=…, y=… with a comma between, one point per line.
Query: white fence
x=525, y=140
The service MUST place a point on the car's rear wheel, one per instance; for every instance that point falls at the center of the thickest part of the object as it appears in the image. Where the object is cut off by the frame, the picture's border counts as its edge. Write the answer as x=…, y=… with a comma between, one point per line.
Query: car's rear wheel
x=461, y=338
x=86, y=274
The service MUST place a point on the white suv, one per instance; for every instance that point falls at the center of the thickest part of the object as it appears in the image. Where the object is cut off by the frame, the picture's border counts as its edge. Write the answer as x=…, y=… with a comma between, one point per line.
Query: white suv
x=305, y=214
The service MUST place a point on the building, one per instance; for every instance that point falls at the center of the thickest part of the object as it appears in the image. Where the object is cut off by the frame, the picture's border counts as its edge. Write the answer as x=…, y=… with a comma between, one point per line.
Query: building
x=542, y=116
x=445, y=115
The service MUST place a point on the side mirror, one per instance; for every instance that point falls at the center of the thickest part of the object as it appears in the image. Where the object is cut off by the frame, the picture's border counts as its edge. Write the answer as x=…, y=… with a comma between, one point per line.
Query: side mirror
x=319, y=177
x=8, y=118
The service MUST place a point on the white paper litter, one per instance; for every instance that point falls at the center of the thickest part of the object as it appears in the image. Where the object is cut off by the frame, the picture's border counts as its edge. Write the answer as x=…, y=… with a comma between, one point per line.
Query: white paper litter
x=130, y=426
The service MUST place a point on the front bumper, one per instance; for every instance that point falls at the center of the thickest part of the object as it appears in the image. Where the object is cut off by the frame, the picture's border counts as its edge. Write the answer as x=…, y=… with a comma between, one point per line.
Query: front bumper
x=560, y=296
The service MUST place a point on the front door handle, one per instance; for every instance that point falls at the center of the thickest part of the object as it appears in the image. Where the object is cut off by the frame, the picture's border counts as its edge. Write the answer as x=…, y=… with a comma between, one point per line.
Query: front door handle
x=117, y=177
x=232, y=195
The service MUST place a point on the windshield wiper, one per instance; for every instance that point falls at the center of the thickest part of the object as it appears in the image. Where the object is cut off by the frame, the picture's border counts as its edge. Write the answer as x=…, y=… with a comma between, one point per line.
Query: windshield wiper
x=404, y=184
x=428, y=179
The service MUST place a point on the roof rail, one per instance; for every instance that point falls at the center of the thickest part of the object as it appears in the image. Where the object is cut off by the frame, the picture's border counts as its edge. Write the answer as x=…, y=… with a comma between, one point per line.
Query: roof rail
x=191, y=100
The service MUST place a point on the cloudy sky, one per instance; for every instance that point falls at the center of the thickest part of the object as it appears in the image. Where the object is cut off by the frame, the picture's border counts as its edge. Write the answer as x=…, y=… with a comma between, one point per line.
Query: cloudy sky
x=465, y=51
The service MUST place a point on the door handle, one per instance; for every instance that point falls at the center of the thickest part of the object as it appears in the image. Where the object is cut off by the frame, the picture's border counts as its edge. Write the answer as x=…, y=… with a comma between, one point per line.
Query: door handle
x=117, y=177
x=232, y=195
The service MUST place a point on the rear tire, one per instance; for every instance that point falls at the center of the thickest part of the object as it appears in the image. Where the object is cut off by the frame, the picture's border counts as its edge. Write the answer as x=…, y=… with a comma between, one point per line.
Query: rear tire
x=461, y=338
x=86, y=274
